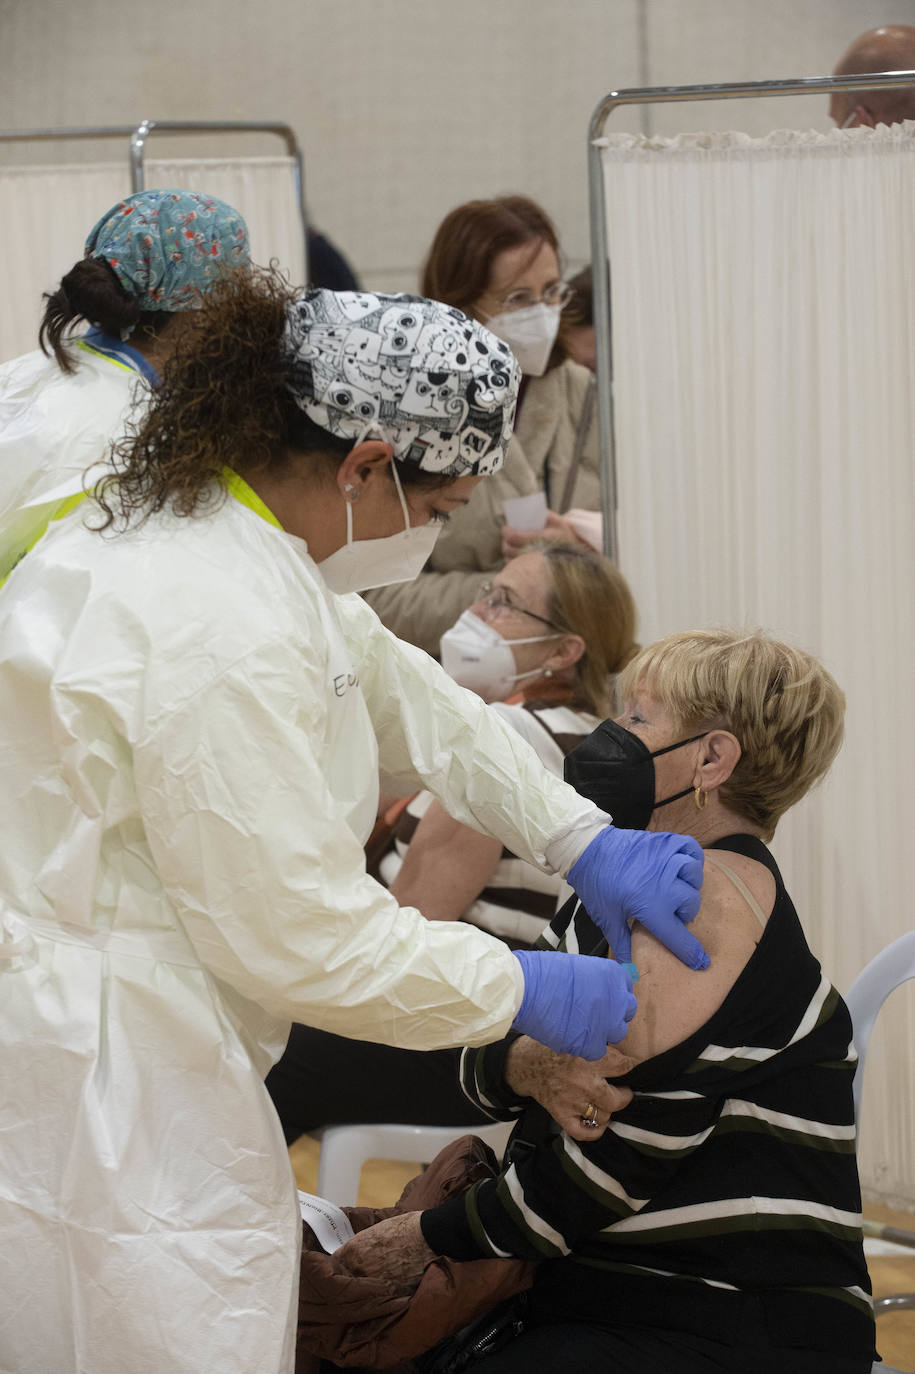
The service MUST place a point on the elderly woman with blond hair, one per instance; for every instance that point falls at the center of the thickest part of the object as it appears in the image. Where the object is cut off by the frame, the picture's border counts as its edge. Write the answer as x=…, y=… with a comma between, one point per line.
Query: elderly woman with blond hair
x=712, y=1224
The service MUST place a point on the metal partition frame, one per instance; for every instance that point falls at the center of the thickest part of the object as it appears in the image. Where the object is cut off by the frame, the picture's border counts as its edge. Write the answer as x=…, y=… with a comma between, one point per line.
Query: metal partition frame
x=665, y=95
x=138, y=135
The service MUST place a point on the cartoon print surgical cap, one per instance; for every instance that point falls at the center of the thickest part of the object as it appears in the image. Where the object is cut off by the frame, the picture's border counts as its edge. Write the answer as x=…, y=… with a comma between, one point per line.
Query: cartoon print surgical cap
x=434, y=384
x=166, y=247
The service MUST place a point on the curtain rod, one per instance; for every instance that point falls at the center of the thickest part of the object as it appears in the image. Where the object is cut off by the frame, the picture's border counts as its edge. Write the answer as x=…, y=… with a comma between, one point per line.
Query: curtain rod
x=139, y=133
x=600, y=267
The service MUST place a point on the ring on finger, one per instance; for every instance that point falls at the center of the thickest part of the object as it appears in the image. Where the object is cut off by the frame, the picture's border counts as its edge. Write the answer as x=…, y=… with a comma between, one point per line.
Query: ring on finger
x=589, y=1115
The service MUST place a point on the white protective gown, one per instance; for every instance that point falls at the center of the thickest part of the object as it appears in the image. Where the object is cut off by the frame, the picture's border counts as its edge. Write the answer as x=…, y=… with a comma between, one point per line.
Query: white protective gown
x=189, y=733
x=55, y=425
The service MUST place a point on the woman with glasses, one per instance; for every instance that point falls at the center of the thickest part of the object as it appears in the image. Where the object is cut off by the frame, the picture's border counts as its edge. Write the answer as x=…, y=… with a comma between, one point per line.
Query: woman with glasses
x=547, y=633
x=499, y=261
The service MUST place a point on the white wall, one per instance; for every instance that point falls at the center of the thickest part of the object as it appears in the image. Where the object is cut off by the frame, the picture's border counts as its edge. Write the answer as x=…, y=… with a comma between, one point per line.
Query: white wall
x=407, y=107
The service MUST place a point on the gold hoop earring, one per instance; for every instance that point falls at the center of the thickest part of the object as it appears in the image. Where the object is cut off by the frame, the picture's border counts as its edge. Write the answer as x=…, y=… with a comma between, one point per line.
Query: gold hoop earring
x=700, y=798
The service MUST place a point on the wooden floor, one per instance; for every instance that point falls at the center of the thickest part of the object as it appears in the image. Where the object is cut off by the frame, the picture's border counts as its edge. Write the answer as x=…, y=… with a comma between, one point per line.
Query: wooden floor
x=896, y=1274
x=383, y=1181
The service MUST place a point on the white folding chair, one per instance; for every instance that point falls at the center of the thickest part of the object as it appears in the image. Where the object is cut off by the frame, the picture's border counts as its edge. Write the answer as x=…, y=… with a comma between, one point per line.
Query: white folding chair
x=344, y=1150
x=867, y=994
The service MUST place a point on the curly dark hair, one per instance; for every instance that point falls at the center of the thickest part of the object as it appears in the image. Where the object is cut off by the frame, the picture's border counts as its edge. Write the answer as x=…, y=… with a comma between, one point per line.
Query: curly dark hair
x=223, y=402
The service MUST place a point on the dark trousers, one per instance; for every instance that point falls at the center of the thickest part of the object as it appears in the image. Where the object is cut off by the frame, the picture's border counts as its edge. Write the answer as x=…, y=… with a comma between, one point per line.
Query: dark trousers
x=633, y=1350
x=327, y=1080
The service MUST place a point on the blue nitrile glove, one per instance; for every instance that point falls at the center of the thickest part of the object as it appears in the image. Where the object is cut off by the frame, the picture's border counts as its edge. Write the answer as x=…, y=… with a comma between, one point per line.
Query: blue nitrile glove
x=573, y=1003
x=652, y=878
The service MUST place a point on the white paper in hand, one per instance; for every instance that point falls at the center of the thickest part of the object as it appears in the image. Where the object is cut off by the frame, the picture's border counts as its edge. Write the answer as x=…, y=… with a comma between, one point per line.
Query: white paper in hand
x=330, y=1225
x=526, y=512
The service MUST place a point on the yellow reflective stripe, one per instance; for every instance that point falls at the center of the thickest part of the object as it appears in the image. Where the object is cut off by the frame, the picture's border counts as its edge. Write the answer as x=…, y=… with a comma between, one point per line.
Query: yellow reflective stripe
x=97, y=352
x=63, y=509
x=237, y=486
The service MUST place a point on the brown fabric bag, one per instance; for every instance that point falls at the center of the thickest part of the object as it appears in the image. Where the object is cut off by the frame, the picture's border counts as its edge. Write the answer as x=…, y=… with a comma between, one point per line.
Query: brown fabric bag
x=367, y=1323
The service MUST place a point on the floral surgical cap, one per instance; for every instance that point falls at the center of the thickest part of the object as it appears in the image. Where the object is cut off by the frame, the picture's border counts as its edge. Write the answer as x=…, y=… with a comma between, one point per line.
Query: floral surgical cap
x=434, y=384
x=166, y=247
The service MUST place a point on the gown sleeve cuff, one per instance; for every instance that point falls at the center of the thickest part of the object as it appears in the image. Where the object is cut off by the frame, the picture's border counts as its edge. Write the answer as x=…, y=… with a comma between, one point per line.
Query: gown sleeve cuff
x=565, y=849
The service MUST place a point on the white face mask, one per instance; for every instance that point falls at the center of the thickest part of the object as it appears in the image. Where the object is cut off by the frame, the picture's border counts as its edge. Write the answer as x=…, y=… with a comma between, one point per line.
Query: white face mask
x=364, y=563
x=530, y=334
x=477, y=656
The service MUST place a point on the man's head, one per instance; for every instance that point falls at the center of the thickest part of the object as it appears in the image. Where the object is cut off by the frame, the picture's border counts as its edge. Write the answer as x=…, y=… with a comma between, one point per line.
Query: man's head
x=887, y=49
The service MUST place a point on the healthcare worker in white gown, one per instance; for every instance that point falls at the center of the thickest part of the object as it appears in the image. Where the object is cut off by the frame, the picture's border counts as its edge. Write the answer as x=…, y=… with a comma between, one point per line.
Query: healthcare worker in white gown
x=147, y=261
x=193, y=711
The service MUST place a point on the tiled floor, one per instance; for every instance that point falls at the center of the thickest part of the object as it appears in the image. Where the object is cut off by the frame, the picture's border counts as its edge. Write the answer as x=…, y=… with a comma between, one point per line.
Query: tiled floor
x=383, y=1181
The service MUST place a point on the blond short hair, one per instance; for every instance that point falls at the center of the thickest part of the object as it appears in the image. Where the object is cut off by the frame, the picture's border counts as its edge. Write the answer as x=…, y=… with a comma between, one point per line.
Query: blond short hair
x=785, y=709
x=590, y=597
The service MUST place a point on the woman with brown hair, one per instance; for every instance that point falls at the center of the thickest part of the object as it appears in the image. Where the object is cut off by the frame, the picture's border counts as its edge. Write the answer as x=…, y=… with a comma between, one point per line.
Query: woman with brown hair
x=192, y=714
x=499, y=261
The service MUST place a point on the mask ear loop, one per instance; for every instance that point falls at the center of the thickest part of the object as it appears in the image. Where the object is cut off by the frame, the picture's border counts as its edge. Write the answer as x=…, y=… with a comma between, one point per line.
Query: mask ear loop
x=687, y=790
x=366, y=430
x=403, y=500
x=656, y=753
x=532, y=639
x=351, y=493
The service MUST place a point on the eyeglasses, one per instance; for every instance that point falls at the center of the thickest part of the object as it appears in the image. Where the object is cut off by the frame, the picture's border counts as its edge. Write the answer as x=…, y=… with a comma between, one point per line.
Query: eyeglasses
x=498, y=600
x=560, y=293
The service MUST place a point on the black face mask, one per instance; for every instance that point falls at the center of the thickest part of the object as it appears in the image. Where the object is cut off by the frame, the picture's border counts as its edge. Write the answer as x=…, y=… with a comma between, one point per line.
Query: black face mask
x=615, y=769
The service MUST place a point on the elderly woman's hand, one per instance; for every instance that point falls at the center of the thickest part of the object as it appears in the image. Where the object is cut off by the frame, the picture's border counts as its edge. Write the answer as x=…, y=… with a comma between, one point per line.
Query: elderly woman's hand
x=556, y=527
x=393, y=1249
x=566, y=1086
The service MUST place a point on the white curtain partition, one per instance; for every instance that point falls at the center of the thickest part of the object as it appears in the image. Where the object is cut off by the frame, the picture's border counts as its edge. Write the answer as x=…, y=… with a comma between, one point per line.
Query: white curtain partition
x=53, y=209
x=764, y=339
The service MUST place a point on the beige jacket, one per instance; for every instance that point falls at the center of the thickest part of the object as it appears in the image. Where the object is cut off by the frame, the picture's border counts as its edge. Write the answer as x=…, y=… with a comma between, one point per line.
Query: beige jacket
x=538, y=458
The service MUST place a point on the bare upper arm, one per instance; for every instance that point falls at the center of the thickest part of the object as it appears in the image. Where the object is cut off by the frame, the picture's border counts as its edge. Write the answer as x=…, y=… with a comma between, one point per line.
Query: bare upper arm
x=673, y=1000
x=446, y=866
